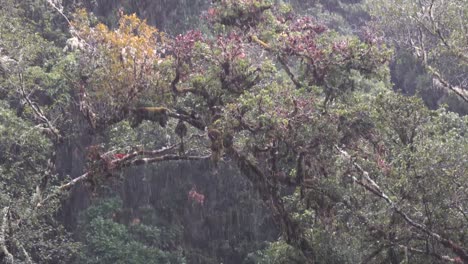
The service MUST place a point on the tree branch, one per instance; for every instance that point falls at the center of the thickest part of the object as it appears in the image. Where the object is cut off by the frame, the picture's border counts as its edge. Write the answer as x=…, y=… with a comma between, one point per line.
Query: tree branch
x=463, y=94
x=371, y=186
x=433, y=254
x=38, y=112
x=197, y=123
x=118, y=164
x=380, y=234
x=289, y=72
x=291, y=231
x=28, y=259
x=60, y=11
x=168, y=157
x=267, y=47
x=9, y=259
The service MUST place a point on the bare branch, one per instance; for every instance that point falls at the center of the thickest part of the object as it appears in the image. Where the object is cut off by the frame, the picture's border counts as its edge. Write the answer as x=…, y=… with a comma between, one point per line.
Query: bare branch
x=60, y=11
x=261, y=43
x=144, y=161
x=463, y=94
x=28, y=259
x=437, y=256
x=38, y=112
x=118, y=164
x=9, y=259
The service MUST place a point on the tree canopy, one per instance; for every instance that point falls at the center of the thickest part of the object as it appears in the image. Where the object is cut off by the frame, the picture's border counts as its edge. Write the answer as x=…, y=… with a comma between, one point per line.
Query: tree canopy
x=305, y=113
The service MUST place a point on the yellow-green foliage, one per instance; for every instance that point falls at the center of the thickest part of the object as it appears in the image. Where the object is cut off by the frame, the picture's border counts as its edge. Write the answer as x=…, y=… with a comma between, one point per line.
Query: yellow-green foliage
x=155, y=114
x=154, y=110
x=120, y=63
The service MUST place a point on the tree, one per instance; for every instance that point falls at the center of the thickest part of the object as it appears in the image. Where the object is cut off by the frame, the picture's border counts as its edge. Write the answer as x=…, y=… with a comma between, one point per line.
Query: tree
x=25, y=168
x=435, y=32
x=303, y=112
x=30, y=91
x=261, y=105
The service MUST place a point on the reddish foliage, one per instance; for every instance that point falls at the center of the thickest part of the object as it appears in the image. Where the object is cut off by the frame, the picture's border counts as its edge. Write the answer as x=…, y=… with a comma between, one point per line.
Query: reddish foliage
x=211, y=14
x=119, y=155
x=382, y=165
x=183, y=44
x=305, y=43
x=380, y=156
x=232, y=46
x=307, y=24
x=196, y=196
x=341, y=46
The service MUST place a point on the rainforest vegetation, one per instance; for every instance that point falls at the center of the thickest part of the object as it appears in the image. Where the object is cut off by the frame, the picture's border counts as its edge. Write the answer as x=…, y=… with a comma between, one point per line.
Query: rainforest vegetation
x=233, y=131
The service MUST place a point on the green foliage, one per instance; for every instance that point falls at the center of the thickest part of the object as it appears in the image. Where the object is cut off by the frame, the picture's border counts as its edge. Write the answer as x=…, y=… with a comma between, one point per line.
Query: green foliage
x=24, y=154
x=276, y=253
x=308, y=109
x=110, y=236
x=31, y=66
x=431, y=32
x=20, y=146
